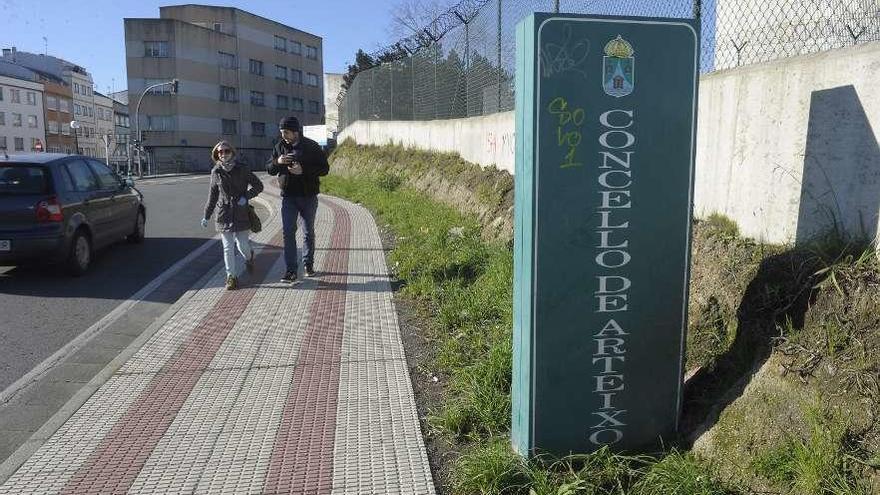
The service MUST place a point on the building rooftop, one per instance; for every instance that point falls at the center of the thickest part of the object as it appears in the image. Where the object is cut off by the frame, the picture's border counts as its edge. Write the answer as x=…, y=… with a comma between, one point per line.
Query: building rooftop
x=16, y=71
x=222, y=7
x=39, y=62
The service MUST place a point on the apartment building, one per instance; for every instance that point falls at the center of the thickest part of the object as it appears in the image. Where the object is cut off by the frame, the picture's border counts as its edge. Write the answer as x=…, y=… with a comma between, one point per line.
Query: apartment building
x=22, y=128
x=104, y=126
x=332, y=88
x=58, y=105
x=122, y=130
x=239, y=75
x=80, y=82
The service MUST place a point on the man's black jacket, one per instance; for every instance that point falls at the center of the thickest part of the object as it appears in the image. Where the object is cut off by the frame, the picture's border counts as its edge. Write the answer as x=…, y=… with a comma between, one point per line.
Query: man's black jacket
x=314, y=165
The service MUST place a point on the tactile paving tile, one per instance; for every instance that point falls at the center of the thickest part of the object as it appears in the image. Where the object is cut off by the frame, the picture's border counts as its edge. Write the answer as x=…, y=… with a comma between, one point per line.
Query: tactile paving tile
x=57, y=460
x=378, y=445
x=371, y=330
x=275, y=403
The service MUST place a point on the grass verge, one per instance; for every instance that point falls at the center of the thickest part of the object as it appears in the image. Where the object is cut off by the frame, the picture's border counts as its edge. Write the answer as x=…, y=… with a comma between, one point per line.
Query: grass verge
x=462, y=285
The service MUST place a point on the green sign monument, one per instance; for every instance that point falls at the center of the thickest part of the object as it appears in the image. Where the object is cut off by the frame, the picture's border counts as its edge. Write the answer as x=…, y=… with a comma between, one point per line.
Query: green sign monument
x=605, y=127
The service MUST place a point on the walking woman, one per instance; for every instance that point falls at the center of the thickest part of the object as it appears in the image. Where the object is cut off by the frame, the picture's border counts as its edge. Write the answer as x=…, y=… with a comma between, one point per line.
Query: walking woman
x=232, y=186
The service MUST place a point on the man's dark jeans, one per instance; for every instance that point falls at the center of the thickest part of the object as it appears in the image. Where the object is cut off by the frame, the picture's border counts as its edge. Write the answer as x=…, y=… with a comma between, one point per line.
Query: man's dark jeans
x=291, y=208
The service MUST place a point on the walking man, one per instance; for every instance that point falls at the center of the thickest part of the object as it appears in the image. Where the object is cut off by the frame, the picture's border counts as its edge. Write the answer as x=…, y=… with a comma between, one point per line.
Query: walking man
x=298, y=162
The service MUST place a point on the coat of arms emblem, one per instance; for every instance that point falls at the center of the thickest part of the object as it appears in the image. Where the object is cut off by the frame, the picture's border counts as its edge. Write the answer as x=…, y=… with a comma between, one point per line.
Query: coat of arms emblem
x=618, y=74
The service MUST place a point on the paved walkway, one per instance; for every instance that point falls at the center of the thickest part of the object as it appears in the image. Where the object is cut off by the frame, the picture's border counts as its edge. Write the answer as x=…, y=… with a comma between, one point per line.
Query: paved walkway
x=272, y=388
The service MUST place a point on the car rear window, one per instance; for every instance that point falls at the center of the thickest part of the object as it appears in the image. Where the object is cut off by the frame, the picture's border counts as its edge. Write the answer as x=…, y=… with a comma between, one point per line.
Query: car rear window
x=23, y=179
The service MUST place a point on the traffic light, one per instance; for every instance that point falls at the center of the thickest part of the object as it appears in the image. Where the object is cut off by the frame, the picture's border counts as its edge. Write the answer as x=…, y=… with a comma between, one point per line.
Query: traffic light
x=175, y=84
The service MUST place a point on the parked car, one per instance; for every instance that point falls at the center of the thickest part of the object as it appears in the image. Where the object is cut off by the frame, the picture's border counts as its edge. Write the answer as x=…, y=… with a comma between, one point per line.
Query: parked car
x=62, y=208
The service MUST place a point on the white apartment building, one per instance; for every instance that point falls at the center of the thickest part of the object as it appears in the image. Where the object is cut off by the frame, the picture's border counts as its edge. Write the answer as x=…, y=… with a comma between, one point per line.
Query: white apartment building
x=105, y=125
x=22, y=123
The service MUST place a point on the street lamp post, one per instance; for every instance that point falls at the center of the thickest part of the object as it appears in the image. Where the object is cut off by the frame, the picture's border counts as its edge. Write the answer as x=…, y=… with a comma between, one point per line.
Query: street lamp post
x=137, y=121
x=75, y=125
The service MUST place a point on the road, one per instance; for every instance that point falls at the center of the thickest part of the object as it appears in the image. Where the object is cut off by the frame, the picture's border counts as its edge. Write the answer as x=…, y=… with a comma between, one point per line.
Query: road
x=43, y=309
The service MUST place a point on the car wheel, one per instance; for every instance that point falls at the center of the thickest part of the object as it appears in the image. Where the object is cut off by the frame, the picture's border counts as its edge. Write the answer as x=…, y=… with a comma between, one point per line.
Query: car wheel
x=137, y=236
x=80, y=257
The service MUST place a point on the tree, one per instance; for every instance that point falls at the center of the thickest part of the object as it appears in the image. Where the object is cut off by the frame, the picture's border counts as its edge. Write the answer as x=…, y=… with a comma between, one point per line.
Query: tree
x=362, y=61
x=409, y=17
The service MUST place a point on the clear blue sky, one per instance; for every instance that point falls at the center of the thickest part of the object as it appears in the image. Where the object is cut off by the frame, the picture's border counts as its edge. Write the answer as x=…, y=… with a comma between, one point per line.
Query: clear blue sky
x=90, y=32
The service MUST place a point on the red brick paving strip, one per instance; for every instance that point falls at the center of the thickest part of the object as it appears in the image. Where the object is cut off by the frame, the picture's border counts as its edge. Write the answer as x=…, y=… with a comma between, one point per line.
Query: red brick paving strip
x=302, y=457
x=122, y=454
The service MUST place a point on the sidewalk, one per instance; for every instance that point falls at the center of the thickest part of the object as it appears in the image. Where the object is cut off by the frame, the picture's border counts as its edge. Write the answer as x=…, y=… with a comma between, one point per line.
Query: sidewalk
x=273, y=388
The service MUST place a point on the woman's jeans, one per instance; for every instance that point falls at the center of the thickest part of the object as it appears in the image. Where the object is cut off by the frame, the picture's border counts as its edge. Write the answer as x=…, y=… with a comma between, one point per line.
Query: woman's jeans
x=230, y=240
x=305, y=207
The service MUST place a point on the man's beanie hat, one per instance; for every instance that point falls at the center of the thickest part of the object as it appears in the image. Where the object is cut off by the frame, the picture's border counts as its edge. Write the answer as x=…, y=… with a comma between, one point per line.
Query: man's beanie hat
x=290, y=123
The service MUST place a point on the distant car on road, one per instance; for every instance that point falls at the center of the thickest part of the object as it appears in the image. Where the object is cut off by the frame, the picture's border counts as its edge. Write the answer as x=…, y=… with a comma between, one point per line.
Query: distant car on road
x=62, y=208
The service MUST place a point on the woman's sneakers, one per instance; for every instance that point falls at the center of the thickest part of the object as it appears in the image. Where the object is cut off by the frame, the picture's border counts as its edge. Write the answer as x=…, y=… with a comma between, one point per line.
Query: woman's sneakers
x=310, y=271
x=231, y=282
x=289, y=277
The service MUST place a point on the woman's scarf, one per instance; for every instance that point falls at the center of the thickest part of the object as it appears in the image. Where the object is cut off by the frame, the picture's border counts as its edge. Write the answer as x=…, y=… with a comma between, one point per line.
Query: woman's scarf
x=226, y=165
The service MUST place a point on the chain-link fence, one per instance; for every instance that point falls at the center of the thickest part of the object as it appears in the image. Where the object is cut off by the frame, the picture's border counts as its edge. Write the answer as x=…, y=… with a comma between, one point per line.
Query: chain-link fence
x=463, y=64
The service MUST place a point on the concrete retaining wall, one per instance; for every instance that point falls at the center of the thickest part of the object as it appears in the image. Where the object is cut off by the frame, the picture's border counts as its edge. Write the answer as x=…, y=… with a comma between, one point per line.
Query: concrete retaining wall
x=485, y=140
x=787, y=149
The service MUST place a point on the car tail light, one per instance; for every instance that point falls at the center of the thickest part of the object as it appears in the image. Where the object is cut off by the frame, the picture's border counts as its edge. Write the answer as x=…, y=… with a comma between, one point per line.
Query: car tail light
x=49, y=211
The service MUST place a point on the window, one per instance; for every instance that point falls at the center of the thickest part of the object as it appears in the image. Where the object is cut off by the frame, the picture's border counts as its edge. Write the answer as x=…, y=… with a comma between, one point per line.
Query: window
x=2, y=118
x=66, y=183
x=16, y=120
x=280, y=44
x=160, y=122
x=281, y=103
x=83, y=178
x=100, y=113
x=155, y=49
x=2, y=142
x=256, y=67
x=76, y=109
x=76, y=88
x=32, y=121
x=281, y=72
x=297, y=105
x=258, y=128
x=64, y=105
x=227, y=60
x=230, y=126
x=106, y=178
x=91, y=111
x=218, y=26
x=16, y=95
x=314, y=107
x=311, y=52
x=53, y=127
x=52, y=102
x=296, y=76
x=227, y=93
x=312, y=79
x=31, y=98
x=1, y=93
x=27, y=180
x=19, y=144
x=296, y=47
x=258, y=99
x=65, y=129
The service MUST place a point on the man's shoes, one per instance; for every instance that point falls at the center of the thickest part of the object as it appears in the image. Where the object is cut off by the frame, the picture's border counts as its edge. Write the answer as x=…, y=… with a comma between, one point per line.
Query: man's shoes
x=310, y=271
x=231, y=282
x=289, y=277
x=249, y=264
